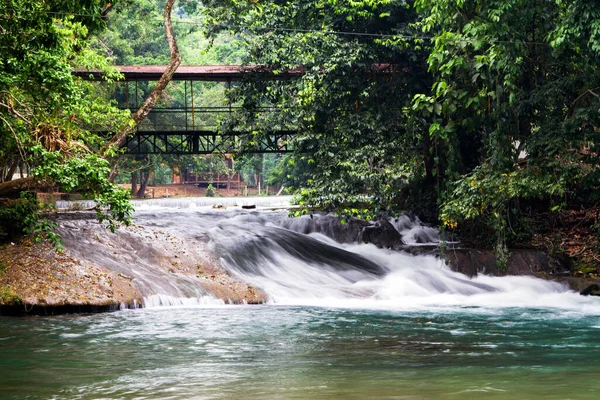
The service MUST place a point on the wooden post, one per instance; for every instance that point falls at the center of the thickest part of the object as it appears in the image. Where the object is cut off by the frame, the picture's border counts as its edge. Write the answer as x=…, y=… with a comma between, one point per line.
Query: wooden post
x=192, y=94
x=185, y=104
x=229, y=99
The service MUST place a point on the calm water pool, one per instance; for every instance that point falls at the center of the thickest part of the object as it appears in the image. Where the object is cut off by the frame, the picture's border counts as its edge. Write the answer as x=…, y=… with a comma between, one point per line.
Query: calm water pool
x=302, y=352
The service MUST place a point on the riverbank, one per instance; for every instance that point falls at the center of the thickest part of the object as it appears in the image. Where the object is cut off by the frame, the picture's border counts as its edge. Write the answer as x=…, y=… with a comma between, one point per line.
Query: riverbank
x=191, y=190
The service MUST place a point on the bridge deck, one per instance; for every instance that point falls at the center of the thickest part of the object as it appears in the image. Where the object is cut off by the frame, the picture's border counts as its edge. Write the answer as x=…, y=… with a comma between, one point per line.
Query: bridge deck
x=218, y=73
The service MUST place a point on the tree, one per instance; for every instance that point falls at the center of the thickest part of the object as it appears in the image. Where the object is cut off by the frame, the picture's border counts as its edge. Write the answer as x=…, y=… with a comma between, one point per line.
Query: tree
x=46, y=112
x=352, y=104
x=493, y=103
x=514, y=78
x=49, y=117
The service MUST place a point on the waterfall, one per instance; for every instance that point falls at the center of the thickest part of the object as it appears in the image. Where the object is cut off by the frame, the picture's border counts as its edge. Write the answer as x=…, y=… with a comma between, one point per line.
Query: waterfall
x=307, y=260
x=299, y=268
x=198, y=202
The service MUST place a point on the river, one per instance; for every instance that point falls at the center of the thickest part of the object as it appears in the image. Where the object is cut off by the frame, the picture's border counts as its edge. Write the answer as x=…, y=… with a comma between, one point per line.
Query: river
x=344, y=321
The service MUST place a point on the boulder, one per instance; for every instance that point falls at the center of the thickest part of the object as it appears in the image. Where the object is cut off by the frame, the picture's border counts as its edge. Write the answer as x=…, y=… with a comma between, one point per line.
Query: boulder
x=382, y=234
x=592, y=290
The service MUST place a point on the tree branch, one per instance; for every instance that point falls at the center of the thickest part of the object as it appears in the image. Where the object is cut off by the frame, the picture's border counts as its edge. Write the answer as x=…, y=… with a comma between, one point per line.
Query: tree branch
x=574, y=103
x=118, y=140
x=13, y=188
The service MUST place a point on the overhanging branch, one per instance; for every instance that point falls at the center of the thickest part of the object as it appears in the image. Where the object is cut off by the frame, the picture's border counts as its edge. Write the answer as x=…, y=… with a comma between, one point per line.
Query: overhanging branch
x=175, y=59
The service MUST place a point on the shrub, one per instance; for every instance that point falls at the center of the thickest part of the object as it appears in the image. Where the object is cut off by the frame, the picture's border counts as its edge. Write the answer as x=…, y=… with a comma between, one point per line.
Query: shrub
x=210, y=191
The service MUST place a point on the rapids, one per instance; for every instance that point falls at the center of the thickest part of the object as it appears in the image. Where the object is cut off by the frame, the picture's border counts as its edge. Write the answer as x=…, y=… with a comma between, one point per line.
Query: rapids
x=270, y=250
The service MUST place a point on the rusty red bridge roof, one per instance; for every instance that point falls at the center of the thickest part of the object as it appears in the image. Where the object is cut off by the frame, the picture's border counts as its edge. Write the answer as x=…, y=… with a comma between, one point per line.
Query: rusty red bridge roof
x=220, y=73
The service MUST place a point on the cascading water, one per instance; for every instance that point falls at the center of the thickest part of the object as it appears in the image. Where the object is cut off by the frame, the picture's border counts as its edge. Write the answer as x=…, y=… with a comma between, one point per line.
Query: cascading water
x=313, y=269
x=271, y=251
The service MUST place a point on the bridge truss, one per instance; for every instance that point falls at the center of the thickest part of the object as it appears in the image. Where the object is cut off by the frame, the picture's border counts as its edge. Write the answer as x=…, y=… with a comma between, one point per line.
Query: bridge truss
x=206, y=142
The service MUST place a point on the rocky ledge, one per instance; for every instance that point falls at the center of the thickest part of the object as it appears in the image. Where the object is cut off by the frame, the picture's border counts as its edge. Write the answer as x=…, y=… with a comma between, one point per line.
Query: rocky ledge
x=96, y=271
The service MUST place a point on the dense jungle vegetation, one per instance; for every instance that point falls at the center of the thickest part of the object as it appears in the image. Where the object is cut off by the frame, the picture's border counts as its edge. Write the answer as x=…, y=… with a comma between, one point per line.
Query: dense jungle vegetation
x=480, y=115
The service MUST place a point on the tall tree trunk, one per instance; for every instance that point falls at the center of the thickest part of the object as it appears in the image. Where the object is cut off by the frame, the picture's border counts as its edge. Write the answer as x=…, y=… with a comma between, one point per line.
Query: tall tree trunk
x=7, y=172
x=175, y=59
x=134, y=183
x=428, y=160
x=143, y=184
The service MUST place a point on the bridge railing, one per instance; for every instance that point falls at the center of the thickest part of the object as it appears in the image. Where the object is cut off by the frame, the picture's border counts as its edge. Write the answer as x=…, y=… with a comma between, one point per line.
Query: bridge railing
x=188, y=119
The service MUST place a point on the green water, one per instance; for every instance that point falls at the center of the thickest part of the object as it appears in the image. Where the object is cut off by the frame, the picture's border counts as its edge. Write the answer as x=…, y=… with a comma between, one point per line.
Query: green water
x=277, y=352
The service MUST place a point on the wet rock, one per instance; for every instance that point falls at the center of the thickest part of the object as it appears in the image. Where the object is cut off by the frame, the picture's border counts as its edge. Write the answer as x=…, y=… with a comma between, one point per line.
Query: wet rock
x=592, y=290
x=328, y=225
x=520, y=262
x=382, y=234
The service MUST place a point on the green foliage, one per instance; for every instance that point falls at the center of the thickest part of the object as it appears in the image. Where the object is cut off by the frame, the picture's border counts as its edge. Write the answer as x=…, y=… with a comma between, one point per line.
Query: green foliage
x=490, y=102
x=518, y=79
x=49, y=118
x=25, y=215
x=86, y=173
x=351, y=105
x=210, y=191
x=291, y=172
x=14, y=216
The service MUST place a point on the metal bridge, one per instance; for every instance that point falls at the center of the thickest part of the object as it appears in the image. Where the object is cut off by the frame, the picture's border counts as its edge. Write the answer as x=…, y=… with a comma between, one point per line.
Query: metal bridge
x=187, y=128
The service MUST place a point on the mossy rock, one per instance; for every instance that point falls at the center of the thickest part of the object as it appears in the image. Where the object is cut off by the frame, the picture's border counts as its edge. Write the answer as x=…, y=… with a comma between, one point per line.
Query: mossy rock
x=8, y=298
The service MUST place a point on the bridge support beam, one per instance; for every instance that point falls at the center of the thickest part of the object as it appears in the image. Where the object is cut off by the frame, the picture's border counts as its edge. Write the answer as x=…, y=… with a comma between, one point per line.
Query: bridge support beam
x=207, y=142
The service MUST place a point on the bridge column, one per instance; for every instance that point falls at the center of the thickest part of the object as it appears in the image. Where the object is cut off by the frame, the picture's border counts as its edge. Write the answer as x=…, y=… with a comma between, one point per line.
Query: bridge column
x=195, y=143
x=185, y=101
x=192, y=94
